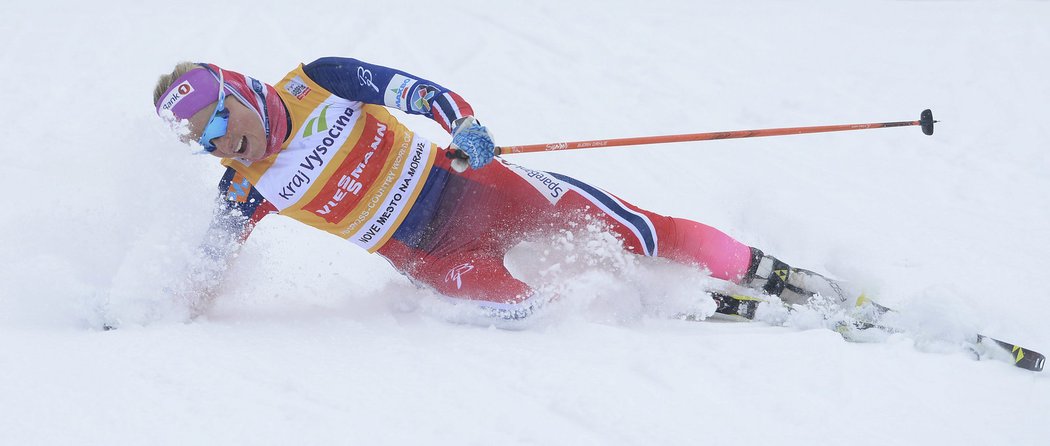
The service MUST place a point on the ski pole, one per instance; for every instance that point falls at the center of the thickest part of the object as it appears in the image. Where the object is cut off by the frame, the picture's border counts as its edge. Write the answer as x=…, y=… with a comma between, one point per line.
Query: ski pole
x=925, y=122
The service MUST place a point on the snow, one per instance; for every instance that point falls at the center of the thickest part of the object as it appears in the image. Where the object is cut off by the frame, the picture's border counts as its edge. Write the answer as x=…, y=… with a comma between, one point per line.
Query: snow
x=315, y=342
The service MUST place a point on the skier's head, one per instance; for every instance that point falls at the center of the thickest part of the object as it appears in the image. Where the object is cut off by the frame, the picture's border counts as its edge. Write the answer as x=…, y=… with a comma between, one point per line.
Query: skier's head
x=230, y=115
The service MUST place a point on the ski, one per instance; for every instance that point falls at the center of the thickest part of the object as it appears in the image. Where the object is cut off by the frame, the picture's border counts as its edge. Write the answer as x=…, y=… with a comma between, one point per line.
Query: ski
x=746, y=307
x=736, y=304
x=1024, y=358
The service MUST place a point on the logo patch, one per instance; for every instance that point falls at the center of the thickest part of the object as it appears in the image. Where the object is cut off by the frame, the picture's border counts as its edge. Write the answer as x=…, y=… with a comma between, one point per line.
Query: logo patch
x=297, y=88
x=421, y=97
x=178, y=94
x=365, y=78
x=456, y=274
x=396, y=94
x=317, y=124
x=545, y=183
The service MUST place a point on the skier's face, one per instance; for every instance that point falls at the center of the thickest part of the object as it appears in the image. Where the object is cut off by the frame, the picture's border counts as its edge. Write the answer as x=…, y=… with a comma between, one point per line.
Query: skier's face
x=244, y=138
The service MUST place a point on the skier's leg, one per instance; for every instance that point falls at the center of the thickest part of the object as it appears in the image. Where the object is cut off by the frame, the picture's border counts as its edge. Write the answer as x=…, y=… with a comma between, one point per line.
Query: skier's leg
x=647, y=233
x=690, y=242
x=475, y=276
x=687, y=241
x=480, y=278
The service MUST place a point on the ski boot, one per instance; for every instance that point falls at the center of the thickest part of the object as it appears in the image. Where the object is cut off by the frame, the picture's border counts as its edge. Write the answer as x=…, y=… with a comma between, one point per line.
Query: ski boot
x=794, y=286
x=848, y=312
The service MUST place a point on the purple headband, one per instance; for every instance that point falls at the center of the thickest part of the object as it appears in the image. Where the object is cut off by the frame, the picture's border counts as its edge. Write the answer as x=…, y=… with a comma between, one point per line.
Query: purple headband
x=190, y=93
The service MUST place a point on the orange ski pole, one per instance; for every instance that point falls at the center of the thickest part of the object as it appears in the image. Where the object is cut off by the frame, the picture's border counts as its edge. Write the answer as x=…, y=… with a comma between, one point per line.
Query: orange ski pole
x=925, y=121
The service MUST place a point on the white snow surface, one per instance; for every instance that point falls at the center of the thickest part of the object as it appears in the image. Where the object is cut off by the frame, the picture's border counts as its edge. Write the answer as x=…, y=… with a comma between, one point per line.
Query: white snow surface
x=313, y=341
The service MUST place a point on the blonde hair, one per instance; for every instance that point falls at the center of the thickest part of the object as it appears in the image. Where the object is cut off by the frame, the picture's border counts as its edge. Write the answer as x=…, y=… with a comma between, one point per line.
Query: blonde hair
x=165, y=80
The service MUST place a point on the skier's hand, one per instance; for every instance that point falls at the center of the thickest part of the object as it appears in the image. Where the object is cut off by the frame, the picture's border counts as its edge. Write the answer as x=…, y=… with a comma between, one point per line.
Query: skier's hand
x=474, y=141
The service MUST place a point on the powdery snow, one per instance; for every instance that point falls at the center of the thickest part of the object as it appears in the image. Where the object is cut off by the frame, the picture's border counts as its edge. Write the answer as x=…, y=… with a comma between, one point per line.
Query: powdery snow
x=315, y=342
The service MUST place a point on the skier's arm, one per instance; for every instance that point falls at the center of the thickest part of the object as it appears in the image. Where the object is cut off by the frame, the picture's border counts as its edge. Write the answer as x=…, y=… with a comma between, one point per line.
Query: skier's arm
x=240, y=207
x=373, y=84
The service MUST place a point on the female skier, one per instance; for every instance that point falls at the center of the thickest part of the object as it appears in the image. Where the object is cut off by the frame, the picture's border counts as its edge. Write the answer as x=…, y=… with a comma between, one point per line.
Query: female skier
x=320, y=146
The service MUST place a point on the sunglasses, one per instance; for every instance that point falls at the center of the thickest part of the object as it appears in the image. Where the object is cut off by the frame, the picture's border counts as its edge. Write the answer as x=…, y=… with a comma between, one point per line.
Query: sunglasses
x=218, y=122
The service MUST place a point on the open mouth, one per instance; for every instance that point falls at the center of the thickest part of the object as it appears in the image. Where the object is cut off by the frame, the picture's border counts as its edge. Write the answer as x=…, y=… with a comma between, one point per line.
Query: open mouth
x=242, y=146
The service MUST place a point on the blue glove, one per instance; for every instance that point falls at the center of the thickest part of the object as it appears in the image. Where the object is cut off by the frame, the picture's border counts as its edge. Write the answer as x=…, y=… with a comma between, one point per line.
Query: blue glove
x=474, y=141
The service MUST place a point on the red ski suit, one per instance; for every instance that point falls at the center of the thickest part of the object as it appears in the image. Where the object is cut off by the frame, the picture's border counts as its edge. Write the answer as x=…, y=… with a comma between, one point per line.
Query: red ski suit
x=463, y=224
